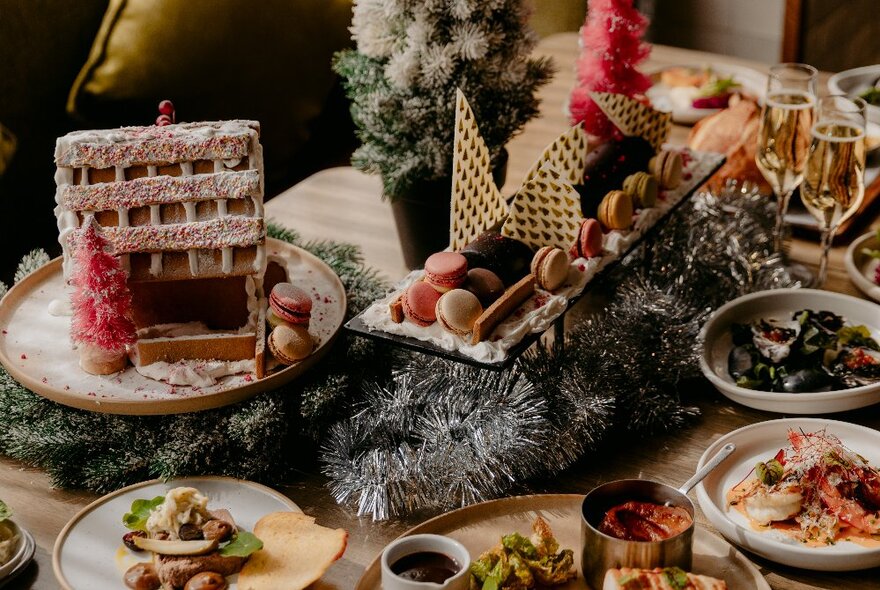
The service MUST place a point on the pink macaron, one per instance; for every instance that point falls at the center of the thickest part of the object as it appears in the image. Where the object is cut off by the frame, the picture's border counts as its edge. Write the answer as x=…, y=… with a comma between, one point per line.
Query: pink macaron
x=291, y=304
x=419, y=303
x=446, y=270
x=589, y=242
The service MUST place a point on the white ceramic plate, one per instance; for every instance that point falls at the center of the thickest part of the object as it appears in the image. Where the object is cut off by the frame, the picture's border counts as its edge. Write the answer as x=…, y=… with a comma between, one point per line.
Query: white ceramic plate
x=89, y=554
x=758, y=442
x=855, y=81
x=35, y=346
x=781, y=303
x=753, y=82
x=861, y=267
x=480, y=526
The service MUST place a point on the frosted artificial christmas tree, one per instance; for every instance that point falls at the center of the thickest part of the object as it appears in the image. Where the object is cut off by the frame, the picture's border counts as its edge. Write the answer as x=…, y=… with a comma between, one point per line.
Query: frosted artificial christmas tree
x=612, y=49
x=101, y=325
x=402, y=78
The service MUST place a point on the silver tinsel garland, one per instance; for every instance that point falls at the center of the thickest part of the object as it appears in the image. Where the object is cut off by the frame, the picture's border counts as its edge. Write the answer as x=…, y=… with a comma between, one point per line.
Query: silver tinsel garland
x=442, y=435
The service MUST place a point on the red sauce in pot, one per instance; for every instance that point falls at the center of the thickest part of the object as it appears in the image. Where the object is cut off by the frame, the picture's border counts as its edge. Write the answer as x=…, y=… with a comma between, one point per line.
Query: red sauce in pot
x=645, y=521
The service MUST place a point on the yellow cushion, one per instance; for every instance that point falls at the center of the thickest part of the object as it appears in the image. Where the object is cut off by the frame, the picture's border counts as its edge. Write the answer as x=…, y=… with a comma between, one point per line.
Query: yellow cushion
x=215, y=59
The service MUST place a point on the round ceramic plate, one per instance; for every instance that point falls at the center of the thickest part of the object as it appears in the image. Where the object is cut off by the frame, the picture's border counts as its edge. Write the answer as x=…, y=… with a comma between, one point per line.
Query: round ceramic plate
x=663, y=98
x=89, y=554
x=35, y=349
x=855, y=81
x=781, y=303
x=761, y=441
x=480, y=527
x=862, y=268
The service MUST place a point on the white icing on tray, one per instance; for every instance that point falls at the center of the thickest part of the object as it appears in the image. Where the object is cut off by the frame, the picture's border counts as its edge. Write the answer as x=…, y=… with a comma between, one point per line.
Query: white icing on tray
x=36, y=345
x=537, y=314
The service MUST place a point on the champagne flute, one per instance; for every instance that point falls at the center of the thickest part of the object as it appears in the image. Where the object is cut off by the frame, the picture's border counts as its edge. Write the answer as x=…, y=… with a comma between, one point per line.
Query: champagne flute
x=784, y=134
x=834, y=180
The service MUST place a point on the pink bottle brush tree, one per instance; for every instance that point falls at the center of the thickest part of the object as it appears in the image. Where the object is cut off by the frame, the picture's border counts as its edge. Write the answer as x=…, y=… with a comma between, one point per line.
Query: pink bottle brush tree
x=612, y=49
x=101, y=325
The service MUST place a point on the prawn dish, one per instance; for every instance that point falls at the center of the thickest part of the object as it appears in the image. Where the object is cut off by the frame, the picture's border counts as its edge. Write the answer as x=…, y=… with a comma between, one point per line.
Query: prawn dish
x=815, y=490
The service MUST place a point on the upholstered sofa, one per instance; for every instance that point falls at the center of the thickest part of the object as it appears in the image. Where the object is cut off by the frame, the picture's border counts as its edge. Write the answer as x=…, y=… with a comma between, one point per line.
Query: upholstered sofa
x=93, y=63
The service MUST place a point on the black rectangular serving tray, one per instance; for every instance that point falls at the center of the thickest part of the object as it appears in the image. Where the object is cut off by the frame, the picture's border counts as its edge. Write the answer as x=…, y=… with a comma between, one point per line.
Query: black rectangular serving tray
x=357, y=325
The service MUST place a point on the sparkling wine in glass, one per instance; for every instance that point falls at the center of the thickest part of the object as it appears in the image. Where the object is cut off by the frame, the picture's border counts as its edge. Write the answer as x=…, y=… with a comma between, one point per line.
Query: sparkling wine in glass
x=784, y=133
x=834, y=179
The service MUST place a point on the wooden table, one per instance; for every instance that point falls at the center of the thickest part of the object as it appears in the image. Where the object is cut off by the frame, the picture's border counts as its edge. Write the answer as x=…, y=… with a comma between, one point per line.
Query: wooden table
x=343, y=204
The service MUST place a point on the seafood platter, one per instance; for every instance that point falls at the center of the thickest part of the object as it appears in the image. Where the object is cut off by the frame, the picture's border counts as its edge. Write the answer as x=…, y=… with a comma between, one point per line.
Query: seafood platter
x=795, y=350
x=801, y=492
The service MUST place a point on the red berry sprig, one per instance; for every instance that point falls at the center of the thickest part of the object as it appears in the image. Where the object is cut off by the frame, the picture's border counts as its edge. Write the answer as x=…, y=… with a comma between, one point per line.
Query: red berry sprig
x=167, y=115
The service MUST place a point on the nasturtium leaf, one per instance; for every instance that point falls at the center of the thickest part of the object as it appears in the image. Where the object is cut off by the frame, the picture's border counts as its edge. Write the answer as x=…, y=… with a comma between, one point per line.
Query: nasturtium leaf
x=242, y=545
x=136, y=520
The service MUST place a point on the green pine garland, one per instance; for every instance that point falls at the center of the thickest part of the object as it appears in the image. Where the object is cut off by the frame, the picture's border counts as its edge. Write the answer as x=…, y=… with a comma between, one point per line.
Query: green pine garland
x=256, y=439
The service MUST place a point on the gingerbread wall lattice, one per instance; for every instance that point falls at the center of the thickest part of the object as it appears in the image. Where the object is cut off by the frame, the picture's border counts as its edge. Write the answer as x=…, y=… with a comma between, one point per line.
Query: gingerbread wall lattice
x=477, y=204
x=162, y=190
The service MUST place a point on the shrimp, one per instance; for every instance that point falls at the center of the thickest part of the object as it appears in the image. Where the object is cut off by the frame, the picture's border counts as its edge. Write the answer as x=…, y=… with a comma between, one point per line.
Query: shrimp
x=847, y=510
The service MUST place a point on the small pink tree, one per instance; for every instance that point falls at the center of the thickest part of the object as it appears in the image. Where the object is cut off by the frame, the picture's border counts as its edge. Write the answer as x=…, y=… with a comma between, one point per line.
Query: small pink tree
x=101, y=323
x=612, y=48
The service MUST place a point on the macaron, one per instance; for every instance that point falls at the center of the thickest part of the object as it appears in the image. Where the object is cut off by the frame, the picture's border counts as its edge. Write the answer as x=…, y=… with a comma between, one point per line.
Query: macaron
x=485, y=284
x=291, y=304
x=589, y=242
x=616, y=210
x=642, y=187
x=457, y=311
x=446, y=270
x=419, y=302
x=289, y=344
x=667, y=167
x=274, y=321
x=550, y=267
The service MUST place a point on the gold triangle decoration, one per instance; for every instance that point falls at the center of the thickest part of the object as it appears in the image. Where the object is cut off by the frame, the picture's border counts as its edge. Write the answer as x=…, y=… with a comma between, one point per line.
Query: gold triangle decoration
x=477, y=204
x=545, y=212
x=567, y=155
x=634, y=118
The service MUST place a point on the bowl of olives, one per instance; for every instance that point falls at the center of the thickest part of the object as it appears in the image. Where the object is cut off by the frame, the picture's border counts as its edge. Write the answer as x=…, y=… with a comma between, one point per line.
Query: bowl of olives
x=799, y=351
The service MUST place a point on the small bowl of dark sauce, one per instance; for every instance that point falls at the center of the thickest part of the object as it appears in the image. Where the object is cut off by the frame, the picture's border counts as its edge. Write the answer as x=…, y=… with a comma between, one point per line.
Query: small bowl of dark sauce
x=425, y=562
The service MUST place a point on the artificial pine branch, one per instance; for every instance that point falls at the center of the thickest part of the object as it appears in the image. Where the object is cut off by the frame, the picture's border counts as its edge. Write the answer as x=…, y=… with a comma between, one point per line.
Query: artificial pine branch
x=256, y=439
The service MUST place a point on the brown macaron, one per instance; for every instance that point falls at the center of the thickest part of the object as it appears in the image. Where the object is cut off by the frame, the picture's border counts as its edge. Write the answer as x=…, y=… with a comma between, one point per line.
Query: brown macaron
x=550, y=267
x=667, y=168
x=289, y=344
x=458, y=310
x=616, y=210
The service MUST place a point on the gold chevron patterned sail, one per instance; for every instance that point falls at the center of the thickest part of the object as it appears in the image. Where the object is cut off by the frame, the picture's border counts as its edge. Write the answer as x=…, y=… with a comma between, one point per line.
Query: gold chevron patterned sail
x=477, y=204
x=545, y=212
x=634, y=118
x=567, y=155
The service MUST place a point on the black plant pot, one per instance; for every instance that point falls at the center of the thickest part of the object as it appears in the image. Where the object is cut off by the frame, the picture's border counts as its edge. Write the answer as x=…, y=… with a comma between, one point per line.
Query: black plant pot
x=422, y=215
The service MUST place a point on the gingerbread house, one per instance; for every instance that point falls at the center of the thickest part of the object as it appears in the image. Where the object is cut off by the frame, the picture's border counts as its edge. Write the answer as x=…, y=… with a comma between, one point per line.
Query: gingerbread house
x=182, y=207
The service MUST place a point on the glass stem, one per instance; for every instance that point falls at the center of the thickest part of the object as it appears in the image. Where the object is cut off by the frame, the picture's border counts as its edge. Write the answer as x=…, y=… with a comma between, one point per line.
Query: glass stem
x=782, y=200
x=827, y=237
